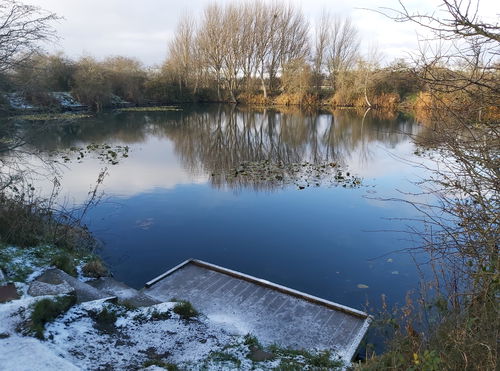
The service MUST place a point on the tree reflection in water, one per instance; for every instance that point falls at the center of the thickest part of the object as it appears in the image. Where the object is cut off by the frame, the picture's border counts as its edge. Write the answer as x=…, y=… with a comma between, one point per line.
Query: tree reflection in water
x=247, y=147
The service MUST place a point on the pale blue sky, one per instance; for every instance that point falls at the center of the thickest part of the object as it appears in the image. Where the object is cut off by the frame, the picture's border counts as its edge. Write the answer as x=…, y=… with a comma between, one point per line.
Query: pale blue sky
x=142, y=29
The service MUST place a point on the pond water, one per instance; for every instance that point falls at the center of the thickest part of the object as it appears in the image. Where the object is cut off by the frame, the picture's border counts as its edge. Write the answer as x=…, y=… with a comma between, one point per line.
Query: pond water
x=181, y=194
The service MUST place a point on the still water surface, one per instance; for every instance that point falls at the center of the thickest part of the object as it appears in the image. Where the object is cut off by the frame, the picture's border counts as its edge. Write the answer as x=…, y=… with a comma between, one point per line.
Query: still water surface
x=175, y=197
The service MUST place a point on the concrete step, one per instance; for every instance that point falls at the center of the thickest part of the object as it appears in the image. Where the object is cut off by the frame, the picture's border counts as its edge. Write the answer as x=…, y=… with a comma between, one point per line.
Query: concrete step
x=83, y=291
x=125, y=294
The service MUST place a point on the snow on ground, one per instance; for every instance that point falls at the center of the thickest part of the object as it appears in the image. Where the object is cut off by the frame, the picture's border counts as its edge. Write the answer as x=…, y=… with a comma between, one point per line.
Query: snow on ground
x=17, y=101
x=21, y=353
x=66, y=100
x=77, y=340
x=28, y=354
x=146, y=334
x=99, y=335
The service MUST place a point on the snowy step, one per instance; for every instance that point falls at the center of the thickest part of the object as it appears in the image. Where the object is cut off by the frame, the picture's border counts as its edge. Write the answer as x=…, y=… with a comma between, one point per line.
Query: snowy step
x=84, y=292
x=124, y=293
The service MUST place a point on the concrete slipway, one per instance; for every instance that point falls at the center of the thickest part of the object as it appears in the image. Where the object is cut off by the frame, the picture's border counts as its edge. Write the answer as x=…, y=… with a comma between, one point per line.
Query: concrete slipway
x=274, y=314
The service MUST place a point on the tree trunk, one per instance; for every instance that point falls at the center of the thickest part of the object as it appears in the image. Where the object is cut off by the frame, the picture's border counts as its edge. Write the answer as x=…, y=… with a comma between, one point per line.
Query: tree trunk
x=233, y=97
x=366, y=95
x=218, y=86
x=195, y=89
x=263, y=84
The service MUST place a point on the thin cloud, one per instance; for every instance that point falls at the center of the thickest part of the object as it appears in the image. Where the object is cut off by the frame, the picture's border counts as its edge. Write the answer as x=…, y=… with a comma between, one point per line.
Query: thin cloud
x=143, y=29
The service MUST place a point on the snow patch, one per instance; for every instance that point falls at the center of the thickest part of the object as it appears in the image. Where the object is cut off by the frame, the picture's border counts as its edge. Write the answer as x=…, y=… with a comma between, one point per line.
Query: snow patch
x=28, y=354
x=231, y=324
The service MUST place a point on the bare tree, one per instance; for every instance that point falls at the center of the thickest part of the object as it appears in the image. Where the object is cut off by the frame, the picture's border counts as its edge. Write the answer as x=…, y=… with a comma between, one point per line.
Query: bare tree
x=126, y=77
x=22, y=29
x=343, y=48
x=233, y=53
x=367, y=66
x=290, y=38
x=461, y=226
x=265, y=25
x=209, y=42
x=321, y=41
x=92, y=86
x=460, y=55
x=181, y=51
x=248, y=41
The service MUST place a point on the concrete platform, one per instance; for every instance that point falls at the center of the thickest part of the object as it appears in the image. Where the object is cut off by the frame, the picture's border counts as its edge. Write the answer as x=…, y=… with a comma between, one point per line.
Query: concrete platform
x=124, y=294
x=273, y=313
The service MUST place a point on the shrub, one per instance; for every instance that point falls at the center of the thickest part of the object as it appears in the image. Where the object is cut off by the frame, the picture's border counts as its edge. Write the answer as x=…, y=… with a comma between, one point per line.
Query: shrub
x=95, y=269
x=23, y=222
x=47, y=310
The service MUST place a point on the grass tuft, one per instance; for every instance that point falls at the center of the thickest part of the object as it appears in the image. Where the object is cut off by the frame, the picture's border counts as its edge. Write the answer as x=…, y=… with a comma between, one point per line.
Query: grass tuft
x=185, y=309
x=156, y=315
x=104, y=320
x=252, y=342
x=65, y=263
x=295, y=358
x=47, y=310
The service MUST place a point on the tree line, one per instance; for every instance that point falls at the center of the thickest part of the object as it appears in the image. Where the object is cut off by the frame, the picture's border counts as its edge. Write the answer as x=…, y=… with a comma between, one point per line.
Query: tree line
x=250, y=52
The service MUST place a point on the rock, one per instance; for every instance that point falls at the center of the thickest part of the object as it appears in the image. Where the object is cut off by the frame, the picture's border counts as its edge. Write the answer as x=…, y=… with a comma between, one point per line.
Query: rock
x=8, y=292
x=259, y=355
x=38, y=288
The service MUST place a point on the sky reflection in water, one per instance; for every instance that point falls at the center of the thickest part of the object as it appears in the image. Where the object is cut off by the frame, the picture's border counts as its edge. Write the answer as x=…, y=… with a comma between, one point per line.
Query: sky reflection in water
x=168, y=201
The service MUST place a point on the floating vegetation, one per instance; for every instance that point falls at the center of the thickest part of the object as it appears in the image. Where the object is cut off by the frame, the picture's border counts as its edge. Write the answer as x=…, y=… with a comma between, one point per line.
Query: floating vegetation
x=150, y=109
x=52, y=116
x=104, y=152
x=302, y=175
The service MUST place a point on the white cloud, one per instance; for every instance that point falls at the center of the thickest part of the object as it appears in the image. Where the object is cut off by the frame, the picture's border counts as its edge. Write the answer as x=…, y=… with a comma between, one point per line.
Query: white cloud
x=142, y=28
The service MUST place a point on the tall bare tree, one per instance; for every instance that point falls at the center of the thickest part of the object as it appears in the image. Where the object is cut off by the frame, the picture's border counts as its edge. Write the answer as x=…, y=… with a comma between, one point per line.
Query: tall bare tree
x=233, y=53
x=181, y=51
x=209, y=42
x=248, y=41
x=22, y=29
x=290, y=38
x=343, y=48
x=321, y=41
x=461, y=224
x=265, y=25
